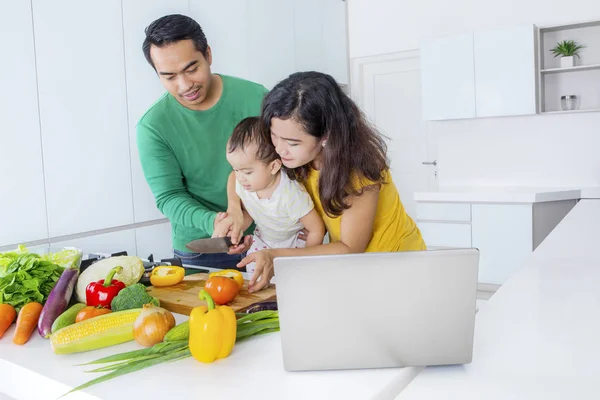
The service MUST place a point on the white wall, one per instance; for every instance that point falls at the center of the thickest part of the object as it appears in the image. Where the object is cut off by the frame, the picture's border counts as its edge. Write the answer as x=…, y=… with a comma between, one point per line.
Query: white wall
x=542, y=150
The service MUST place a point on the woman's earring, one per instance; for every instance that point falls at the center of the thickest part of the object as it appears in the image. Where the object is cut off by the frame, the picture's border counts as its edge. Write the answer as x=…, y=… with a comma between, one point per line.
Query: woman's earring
x=324, y=143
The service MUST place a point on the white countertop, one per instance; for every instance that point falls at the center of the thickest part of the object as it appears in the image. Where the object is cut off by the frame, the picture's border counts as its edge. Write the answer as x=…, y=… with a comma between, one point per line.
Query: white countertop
x=254, y=370
x=538, y=336
x=590, y=192
x=498, y=194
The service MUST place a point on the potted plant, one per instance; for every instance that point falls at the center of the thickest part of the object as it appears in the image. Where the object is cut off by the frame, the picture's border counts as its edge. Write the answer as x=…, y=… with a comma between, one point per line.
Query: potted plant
x=567, y=49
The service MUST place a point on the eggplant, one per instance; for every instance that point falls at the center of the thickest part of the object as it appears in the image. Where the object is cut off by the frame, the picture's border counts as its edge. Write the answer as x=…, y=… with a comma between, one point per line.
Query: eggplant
x=58, y=300
x=262, y=306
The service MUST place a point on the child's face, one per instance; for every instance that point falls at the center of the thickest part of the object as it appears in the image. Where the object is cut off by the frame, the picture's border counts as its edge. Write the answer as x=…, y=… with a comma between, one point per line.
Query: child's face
x=252, y=174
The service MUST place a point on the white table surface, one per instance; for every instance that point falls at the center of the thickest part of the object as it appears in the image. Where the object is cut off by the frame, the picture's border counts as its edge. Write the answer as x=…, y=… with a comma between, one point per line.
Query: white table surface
x=254, y=370
x=538, y=337
x=498, y=194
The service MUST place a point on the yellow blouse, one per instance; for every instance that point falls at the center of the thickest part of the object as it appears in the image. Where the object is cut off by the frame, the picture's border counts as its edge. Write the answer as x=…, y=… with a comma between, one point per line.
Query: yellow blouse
x=393, y=228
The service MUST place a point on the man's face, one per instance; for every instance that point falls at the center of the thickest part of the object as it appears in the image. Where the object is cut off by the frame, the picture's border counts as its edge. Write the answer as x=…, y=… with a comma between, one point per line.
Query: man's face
x=184, y=71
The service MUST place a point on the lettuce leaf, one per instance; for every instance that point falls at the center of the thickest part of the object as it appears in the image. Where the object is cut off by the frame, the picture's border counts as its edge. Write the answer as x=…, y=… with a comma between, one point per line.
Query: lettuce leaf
x=28, y=278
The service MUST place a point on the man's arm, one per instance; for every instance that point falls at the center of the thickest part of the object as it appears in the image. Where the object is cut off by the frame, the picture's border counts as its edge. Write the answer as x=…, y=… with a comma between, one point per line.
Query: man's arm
x=164, y=176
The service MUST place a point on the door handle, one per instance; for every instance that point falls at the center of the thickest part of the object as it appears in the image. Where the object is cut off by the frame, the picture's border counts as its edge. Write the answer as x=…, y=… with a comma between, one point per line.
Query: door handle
x=434, y=163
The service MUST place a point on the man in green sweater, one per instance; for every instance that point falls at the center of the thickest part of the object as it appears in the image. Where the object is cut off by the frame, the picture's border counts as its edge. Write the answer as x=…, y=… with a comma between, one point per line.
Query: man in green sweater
x=182, y=138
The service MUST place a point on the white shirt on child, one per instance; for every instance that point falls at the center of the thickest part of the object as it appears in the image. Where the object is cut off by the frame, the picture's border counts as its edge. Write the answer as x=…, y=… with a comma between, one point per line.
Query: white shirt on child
x=278, y=218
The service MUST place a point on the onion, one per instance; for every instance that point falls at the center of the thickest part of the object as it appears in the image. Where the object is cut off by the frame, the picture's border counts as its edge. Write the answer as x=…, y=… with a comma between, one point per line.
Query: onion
x=151, y=326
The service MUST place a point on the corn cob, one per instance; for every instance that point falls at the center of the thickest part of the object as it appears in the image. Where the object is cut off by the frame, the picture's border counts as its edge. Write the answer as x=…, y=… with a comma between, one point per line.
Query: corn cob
x=95, y=333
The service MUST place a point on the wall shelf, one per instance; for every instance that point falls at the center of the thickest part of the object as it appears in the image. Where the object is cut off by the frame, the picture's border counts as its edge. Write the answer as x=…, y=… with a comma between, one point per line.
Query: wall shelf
x=571, y=69
x=582, y=80
x=587, y=110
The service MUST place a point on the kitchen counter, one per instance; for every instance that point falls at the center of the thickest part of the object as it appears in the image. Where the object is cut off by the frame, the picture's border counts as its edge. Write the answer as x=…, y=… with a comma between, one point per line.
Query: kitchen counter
x=491, y=194
x=537, y=337
x=254, y=370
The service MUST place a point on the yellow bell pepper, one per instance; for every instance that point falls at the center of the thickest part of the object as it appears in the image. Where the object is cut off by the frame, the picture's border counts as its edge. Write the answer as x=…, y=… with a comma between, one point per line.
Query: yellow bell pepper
x=166, y=276
x=230, y=273
x=212, y=331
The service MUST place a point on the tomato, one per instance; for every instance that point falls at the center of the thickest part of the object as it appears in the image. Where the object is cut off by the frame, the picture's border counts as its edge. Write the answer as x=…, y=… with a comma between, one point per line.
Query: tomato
x=90, y=312
x=222, y=289
x=231, y=273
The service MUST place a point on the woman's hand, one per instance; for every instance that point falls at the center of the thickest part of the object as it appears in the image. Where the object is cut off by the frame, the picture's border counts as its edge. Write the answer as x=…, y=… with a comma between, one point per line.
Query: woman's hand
x=264, y=269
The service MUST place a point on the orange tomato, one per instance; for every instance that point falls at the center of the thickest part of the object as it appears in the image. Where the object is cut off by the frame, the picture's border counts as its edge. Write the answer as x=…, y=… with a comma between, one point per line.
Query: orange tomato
x=222, y=289
x=90, y=312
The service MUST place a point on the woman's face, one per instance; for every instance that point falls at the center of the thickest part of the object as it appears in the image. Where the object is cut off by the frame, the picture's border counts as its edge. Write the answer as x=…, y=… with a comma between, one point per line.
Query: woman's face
x=295, y=147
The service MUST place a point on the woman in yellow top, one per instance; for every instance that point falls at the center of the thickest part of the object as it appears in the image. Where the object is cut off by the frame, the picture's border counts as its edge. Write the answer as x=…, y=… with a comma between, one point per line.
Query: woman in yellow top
x=326, y=143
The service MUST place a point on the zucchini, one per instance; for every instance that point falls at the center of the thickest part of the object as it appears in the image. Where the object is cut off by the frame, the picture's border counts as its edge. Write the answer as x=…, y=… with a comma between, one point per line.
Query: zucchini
x=68, y=317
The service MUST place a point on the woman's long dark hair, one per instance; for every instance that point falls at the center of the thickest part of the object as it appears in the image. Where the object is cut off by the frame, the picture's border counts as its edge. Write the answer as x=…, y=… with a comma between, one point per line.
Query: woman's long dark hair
x=354, y=148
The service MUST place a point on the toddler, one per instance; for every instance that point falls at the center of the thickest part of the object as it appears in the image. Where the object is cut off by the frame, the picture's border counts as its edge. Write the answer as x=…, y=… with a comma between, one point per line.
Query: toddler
x=280, y=207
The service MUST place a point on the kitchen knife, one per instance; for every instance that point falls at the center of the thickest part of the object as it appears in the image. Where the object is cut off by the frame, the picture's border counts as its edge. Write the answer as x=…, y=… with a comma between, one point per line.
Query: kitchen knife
x=211, y=245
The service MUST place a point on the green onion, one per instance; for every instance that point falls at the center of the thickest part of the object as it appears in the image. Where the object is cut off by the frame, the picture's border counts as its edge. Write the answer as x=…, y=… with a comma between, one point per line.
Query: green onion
x=259, y=323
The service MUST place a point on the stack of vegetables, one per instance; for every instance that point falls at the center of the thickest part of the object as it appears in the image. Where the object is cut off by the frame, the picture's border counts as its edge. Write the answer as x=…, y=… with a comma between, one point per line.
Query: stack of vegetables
x=106, y=305
x=29, y=288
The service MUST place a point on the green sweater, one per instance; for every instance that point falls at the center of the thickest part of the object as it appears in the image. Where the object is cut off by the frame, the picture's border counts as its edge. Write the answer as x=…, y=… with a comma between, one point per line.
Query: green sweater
x=182, y=153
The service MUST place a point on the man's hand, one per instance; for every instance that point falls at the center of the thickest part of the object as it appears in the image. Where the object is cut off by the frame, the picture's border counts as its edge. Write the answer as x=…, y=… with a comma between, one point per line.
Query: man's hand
x=222, y=225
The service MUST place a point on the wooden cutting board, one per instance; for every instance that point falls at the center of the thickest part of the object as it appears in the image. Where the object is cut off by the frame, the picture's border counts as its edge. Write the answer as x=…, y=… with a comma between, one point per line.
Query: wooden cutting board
x=181, y=298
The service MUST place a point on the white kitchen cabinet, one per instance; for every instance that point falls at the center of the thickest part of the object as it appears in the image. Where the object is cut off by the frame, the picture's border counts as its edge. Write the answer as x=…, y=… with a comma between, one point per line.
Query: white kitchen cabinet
x=155, y=240
x=482, y=73
x=22, y=197
x=226, y=26
x=270, y=40
x=505, y=234
x=111, y=242
x=505, y=73
x=143, y=89
x=320, y=38
x=447, y=77
x=83, y=112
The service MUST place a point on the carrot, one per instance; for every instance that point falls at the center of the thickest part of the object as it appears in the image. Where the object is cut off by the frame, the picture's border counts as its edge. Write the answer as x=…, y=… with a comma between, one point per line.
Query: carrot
x=27, y=321
x=7, y=316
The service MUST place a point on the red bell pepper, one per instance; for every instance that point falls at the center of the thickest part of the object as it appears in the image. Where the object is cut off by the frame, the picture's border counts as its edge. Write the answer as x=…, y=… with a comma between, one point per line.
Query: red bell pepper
x=101, y=293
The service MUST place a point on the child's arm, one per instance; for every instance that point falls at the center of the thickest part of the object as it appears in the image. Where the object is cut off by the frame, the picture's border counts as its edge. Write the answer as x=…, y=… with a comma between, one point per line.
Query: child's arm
x=240, y=220
x=314, y=225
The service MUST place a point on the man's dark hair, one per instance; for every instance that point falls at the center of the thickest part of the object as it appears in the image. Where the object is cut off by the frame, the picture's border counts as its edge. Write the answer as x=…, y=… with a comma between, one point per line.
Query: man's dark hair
x=170, y=29
x=248, y=131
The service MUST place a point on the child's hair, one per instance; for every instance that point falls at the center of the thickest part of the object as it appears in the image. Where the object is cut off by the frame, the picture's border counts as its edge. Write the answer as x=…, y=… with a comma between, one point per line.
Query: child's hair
x=247, y=132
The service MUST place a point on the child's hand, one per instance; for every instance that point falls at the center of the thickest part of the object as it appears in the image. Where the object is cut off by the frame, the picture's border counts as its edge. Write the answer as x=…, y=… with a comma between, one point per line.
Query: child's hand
x=236, y=218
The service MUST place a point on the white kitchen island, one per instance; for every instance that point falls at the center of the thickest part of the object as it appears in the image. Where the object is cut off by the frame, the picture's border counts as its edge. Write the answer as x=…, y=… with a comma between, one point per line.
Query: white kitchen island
x=254, y=370
x=538, y=337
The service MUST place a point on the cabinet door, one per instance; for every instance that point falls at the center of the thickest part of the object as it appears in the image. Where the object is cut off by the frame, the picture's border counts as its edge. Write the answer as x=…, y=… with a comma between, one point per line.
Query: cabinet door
x=83, y=112
x=447, y=77
x=270, y=40
x=155, y=240
x=226, y=27
x=22, y=197
x=320, y=39
x=143, y=88
x=505, y=77
x=503, y=235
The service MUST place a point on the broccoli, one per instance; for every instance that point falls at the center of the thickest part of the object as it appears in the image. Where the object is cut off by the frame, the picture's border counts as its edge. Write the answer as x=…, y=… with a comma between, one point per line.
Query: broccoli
x=133, y=296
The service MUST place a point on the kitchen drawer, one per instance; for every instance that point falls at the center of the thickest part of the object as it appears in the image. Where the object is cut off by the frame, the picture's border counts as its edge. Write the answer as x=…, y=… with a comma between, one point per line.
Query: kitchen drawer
x=444, y=212
x=442, y=234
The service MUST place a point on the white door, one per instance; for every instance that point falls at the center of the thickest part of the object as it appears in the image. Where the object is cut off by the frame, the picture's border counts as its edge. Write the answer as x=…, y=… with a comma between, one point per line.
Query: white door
x=388, y=90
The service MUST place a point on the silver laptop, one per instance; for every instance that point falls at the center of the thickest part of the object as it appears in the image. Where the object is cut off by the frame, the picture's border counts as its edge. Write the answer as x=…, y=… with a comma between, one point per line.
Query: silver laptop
x=377, y=310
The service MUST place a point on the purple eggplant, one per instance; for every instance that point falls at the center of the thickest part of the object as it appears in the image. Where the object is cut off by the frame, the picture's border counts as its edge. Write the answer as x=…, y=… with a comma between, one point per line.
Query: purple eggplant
x=262, y=306
x=58, y=300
